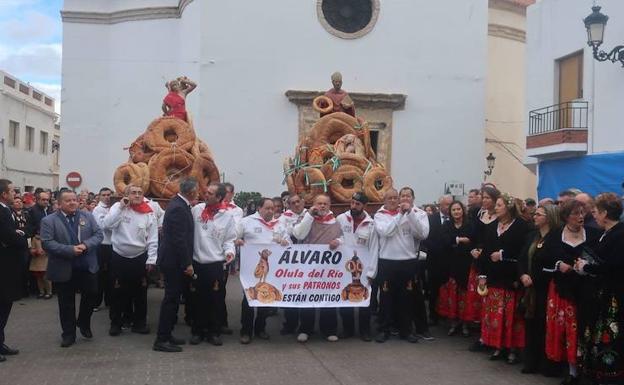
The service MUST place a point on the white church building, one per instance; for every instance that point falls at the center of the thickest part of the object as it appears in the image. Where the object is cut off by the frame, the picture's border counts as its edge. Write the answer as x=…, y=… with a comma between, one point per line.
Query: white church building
x=415, y=69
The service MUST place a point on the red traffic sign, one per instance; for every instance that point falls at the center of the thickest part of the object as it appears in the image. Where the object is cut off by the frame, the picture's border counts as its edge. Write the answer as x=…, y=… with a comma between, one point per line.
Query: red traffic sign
x=73, y=179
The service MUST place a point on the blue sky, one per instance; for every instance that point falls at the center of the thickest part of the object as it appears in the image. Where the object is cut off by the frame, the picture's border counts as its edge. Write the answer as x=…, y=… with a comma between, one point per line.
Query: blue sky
x=30, y=42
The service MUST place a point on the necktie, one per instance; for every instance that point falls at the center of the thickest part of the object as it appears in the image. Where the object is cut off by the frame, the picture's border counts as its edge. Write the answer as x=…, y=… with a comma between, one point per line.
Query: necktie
x=71, y=219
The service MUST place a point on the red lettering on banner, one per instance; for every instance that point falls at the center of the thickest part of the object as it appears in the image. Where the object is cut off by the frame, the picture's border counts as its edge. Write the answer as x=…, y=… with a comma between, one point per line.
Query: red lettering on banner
x=334, y=274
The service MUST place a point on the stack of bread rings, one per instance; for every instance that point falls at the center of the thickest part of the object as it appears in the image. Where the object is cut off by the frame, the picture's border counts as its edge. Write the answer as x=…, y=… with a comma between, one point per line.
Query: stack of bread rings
x=166, y=152
x=336, y=158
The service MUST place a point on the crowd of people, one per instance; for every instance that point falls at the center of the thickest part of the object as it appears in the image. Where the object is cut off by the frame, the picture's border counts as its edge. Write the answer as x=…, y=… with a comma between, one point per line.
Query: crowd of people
x=535, y=282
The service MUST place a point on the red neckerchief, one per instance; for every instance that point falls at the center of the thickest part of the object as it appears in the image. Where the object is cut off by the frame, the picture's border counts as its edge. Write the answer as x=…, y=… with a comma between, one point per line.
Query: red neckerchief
x=209, y=212
x=325, y=218
x=389, y=212
x=270, y=224
x=142, y=208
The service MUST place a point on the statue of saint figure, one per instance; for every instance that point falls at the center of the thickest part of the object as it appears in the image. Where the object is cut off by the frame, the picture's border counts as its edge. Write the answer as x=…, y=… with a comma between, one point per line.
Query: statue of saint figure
x=174, y=104
x=340, y=97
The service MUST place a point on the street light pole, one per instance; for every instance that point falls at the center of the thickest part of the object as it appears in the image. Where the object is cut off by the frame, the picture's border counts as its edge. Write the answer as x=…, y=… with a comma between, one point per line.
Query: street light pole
x=595, y=24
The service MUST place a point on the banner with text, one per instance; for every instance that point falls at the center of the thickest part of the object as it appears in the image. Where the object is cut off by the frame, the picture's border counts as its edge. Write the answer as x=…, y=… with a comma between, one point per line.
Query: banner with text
x=305, y=275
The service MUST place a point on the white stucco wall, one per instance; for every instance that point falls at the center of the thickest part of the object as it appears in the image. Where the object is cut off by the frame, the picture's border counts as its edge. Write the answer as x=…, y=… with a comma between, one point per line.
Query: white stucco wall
x=245, y=55
x=23, y=167
x=555, y=29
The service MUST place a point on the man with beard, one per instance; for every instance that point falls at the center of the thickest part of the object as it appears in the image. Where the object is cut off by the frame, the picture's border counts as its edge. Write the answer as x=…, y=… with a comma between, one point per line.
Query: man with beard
x=213, y=248
x=358, y=230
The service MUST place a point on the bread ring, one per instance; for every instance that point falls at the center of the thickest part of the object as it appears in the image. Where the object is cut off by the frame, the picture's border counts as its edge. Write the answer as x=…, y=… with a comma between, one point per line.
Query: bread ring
x=167, y=132
x=320, y=155
x=131, y=173
x=166, y=170
x=201, y=148
x=376, y=183
x=139, y=151
x=313, y=186
x=205, y=170
x=321, y=101
x=346, y=181
x=354, y=160
x=330, y=128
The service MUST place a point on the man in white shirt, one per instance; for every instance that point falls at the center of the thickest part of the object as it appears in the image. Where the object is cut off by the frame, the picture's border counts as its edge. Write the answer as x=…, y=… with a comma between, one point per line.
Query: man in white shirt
x=213, y=246
x=104, y=250
x=287, y=221
x=134, y=237
x=358, y=230
x=400, y=227
x=319, y=227
x=259, y=228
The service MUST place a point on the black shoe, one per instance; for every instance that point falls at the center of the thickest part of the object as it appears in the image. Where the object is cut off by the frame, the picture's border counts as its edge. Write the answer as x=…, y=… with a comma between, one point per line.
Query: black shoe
x=86, y=332
x=114, y=330
x=7, y=351
x=214, y=340
x=381, y=337
x=176, y=341
x=366, y=337
x=68, y=341
x=477, y=346
x=512, y=359
x=141, y=329
x=245, y=339
x=2, y=358
x=226, y=330
x=195, y=339
x=166, y=346
x=262, y=335
x=394, y=331
x=496, y=355
x=411, y=338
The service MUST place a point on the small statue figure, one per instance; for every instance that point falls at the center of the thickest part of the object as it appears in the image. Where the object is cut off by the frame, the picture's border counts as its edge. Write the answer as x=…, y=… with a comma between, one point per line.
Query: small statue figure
x=174, y=104
x=340, y=98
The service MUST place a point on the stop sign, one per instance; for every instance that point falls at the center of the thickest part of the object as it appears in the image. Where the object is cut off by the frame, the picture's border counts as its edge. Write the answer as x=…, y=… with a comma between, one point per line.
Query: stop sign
x=73, y=179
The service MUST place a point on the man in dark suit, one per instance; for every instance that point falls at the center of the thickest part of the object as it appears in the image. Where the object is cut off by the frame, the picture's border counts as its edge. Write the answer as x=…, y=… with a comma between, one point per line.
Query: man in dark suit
x=175, y=259
x=437, y=258
x=13, y=245
x=71, y=237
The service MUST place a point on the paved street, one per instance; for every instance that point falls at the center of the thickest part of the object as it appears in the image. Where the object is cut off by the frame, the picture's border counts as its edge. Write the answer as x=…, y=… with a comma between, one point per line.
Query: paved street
x=128, y=359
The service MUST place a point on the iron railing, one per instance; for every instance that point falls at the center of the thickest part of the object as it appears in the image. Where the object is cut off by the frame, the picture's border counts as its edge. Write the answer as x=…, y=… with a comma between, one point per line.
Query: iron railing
x=557, y=117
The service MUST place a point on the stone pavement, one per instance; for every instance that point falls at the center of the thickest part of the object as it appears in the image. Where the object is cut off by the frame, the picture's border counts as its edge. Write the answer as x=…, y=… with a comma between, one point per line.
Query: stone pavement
x=128, y=359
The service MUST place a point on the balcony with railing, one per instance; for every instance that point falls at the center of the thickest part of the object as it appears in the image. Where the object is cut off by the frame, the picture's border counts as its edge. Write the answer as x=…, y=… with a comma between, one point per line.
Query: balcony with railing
x=558, y=130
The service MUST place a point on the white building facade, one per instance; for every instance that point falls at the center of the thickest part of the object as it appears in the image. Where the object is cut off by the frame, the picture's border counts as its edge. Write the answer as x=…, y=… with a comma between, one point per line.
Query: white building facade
x=574, y=125
x=245, y=56
x=29, y=135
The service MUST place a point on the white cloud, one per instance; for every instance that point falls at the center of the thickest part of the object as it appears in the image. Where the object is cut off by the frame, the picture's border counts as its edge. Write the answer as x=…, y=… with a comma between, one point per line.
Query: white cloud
x=33, y=27
x=54, y=90
x=32, y=61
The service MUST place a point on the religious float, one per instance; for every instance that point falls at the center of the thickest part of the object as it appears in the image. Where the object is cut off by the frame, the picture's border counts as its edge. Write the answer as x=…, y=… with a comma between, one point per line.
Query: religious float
x=168, y=150
x=336, y=156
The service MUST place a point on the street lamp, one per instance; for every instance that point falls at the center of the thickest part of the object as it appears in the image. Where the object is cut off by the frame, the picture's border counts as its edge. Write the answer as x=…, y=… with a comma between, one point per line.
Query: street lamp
x=595, y=25
x=491, y=159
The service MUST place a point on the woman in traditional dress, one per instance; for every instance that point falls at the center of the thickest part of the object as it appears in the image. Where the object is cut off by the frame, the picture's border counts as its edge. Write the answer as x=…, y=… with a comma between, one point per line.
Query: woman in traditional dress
x=485, y=216
x=452, y=303
x=562, y=318
x=601, y=345
x=502, y=327
x=542, y=246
